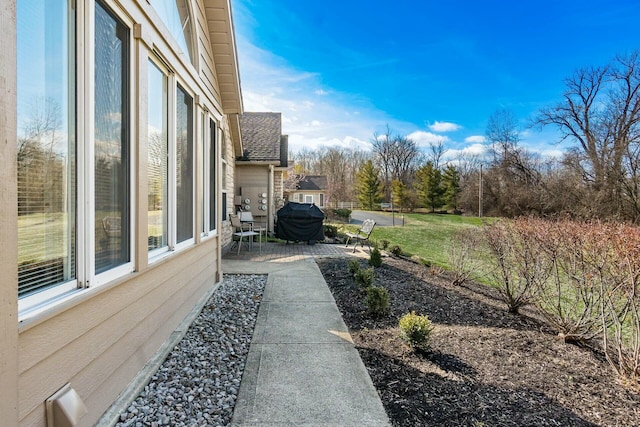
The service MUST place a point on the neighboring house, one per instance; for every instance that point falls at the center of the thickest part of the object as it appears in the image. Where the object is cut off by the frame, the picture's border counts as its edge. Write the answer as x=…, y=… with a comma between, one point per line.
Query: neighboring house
x=260, y=168
x=310, y=189
x=119, y=121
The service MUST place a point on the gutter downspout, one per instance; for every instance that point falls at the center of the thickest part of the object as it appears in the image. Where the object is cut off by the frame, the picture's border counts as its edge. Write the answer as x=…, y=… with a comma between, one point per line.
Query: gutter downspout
x=270, y=202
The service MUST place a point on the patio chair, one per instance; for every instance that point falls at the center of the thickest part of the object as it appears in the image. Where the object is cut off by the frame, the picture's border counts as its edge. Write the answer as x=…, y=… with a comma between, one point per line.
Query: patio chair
x=240, y=232
x=362, y=234
x=246, y=218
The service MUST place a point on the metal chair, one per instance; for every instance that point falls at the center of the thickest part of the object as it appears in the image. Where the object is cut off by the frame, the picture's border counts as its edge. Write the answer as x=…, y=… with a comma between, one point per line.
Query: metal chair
x=247, y=218
x=240, y=232
x=361, y=235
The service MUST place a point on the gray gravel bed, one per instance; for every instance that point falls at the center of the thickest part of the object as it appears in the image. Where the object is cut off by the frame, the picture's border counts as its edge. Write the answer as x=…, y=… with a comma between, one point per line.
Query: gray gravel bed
x=198, y=383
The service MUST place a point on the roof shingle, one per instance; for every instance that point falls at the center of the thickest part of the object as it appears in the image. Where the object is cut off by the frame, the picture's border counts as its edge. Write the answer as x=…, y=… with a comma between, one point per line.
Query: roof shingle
x=261, y=136
x=313, y=182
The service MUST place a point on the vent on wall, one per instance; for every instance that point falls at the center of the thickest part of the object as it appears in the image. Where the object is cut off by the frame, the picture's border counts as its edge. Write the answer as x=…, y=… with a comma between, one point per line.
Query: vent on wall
x=65, y=408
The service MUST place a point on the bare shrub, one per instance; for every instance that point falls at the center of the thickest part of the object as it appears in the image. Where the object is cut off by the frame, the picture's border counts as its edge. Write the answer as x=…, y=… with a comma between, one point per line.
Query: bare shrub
x=570, y=300
x=517, y=269
x=620, y=289
x=462, y=254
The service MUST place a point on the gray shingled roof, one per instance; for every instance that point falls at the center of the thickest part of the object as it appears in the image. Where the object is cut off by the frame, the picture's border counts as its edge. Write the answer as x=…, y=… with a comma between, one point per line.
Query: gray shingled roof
x=261, y=136
x=313, y=182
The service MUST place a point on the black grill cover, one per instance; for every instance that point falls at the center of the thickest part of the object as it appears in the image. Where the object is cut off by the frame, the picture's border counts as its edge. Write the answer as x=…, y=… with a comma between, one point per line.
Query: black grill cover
x=300, y=221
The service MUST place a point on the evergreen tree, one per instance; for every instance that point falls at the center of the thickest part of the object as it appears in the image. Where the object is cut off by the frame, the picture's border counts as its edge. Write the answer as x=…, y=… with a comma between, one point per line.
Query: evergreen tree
x=429, y=185
x=451, y=183
x=368, y=186
x=401, y=195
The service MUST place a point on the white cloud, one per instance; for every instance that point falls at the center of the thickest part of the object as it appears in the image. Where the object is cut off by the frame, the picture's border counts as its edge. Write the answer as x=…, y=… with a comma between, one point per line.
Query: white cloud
x=479, y=139
x=425, y=139
x=309, y=117
x=444, y=127
x=298, y=141
x=477, y=149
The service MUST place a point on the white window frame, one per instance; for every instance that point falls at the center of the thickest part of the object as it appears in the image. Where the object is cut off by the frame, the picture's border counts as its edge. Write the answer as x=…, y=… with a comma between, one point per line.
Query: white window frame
x=159, y=253
x=173, y=167
x=306, y=196
x=126, y=268
x=86, y=276
x=210, y=230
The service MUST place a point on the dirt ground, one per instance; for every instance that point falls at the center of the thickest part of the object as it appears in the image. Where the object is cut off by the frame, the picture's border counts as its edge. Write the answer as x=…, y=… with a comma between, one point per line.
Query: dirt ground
x=485, y=367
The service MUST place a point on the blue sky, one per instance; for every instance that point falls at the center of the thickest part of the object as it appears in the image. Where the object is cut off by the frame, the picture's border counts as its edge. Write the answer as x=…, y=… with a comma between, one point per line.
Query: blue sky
x=341, y=70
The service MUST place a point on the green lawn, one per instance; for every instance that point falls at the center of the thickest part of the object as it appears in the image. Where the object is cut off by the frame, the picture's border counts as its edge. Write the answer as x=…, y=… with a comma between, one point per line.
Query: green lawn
x=424, y=235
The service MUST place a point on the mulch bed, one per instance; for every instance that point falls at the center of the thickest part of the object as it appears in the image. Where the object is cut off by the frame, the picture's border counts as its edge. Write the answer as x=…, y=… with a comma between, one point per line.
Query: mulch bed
x=485, y=367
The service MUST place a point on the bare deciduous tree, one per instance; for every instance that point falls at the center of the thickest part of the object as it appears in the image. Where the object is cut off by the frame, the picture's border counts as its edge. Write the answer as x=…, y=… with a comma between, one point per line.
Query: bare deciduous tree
x=600, y=112
x=395, y=156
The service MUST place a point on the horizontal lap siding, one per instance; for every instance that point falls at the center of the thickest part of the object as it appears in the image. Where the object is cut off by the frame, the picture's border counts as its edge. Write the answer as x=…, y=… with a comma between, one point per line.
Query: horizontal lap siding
x=140, y=316
x=252, y=176
x=102, y=341
x=207, y=66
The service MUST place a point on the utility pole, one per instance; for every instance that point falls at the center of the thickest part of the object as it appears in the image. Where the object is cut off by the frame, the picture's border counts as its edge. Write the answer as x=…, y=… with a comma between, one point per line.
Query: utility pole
x=393, y=214
x=480, y=194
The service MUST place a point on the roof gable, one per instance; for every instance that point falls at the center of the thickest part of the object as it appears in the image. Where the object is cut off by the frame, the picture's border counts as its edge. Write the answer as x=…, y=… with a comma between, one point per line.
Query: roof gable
x=313, y=182
x=261, y=136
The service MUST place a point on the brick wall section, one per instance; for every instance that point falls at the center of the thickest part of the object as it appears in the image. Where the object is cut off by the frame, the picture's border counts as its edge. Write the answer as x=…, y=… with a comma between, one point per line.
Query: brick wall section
x=278, y=186
x=226, y=233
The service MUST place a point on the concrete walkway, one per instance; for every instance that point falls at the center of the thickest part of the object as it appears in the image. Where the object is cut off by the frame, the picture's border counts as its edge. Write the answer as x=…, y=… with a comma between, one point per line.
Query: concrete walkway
x=302, y=368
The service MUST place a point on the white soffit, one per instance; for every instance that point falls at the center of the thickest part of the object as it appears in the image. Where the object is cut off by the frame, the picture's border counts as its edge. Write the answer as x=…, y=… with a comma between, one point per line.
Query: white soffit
x=225, y=56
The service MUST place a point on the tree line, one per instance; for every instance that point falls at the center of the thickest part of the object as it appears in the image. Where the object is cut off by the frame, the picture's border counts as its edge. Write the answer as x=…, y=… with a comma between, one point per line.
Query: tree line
x=597, y=176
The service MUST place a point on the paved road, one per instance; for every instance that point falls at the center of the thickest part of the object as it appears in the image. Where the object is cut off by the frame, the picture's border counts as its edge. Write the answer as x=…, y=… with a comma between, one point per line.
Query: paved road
x=381, y=219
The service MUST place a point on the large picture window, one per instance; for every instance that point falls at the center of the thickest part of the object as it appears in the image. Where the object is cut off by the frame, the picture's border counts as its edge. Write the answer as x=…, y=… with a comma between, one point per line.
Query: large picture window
x=46, y=110
x=111, y=192
x=74, y=198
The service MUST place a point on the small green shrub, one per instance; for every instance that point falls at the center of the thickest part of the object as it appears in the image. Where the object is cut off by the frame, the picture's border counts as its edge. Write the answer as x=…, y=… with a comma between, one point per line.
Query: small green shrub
x=375, y=259
x=384, y=244
x=342, y=213
x=415, y=330
x=365, y=277
x=377, y=300
x=354, y=267
x=330, y=230
x=396, y=250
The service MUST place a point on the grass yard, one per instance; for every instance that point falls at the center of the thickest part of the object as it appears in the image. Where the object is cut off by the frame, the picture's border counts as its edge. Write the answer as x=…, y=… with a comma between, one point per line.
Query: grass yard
x=424, y=235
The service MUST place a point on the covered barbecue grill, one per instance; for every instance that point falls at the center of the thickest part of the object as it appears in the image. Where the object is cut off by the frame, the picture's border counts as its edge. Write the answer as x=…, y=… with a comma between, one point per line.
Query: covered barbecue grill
x=300, y=222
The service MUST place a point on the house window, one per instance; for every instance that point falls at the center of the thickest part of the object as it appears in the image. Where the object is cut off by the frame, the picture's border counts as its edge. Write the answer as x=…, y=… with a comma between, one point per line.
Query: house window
x=211, y=193
x=157, y=162
x=209, y=177
x=175, y=15
x=184, y=165
x=308, y=198
x=111, y=191
x=321, y=199
x=46, y=160
x=74, y=199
